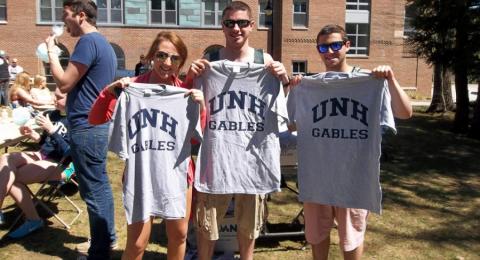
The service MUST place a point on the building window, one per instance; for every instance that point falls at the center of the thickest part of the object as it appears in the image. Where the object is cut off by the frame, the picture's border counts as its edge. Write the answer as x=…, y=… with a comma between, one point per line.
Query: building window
x=357, y=26
x=51, y=10
x=359, y=38
x=212, y=12
x=264, y=20
x=299, y=67
x=358, y=4
x=110, y=11
x=120, y=56
x=163, y=12
x=300, y=13
x=409, y=14
x=3, y=10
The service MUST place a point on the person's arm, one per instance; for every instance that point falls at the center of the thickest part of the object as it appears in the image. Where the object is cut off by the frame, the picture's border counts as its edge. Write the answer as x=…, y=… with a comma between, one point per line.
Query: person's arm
x=401, y=106
x=196, y=69
x=23, y=95
x=61, y=143
x=30, y=133
x=65, y=80
x=104, y=105
x=277, y=69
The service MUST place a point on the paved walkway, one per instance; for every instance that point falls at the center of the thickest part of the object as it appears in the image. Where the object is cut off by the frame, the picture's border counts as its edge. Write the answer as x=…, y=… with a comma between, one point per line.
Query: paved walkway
x=472, y=96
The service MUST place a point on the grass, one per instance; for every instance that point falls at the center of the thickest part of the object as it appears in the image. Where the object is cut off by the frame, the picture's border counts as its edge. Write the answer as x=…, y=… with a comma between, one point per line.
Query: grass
x=431, y=205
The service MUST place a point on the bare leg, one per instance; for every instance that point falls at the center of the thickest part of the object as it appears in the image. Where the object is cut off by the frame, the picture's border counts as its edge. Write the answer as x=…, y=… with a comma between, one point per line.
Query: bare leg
x=246, y=246
x=355, y=254
x=9, y=163
x=205, y=247
x=37, y=171
x=138, y=235
x=22, y=197
x=320, y=250
x=177, y=233
x=33, y=172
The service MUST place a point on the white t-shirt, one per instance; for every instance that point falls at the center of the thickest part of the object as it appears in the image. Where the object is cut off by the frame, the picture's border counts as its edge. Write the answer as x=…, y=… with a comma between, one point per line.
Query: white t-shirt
x=339, y=119
x=241, y=151
x=41, y=94
x=152, y=128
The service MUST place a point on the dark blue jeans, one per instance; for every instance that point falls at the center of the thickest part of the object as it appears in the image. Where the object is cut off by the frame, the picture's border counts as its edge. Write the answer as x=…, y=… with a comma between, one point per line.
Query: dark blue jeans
x=89, y=154
x=4, y=92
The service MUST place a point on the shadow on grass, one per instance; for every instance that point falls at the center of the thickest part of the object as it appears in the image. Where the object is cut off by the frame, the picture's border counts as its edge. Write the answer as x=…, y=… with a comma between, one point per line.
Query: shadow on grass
x=429, y=169
x=36, y=242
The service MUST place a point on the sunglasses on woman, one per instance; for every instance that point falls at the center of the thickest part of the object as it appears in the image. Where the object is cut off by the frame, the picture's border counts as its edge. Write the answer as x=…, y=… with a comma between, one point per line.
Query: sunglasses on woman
x=240, y=23
x=163, y=56
x=335, y=46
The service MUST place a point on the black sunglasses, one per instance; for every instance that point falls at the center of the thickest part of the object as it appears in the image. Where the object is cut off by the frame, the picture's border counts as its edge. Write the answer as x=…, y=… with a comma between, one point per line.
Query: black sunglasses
x=335, y=46
x=163, y=56
x=240, y=23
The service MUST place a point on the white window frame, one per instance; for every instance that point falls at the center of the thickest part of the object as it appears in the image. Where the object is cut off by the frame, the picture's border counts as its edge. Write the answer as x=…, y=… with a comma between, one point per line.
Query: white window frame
x=356, y=4
x=296, y=63
x=355, y=49
x=217, y=13
x=164, y=12
x=4, y=7
x=109, y=13
x=358, y=17
x=261, y=12
x=300, y=13
x=54, y=18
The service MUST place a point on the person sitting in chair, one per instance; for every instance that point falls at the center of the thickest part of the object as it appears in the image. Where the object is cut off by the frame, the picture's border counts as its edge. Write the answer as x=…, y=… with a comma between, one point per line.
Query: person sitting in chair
x=19, y=169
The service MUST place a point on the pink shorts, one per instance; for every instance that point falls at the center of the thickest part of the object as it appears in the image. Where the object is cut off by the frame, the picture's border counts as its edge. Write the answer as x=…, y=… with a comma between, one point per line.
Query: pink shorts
x=351, y=224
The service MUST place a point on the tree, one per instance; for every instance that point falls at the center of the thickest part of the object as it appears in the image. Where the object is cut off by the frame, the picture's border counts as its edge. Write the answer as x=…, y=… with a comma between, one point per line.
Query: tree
x=475, y=71
x=444, y=35
x=433, y=40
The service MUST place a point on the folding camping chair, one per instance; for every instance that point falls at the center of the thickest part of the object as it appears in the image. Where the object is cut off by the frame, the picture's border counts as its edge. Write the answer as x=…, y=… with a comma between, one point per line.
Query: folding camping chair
x=49, y=191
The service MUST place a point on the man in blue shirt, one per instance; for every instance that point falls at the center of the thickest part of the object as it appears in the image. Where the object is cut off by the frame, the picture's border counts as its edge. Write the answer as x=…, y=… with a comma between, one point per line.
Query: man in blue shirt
x=92, y=66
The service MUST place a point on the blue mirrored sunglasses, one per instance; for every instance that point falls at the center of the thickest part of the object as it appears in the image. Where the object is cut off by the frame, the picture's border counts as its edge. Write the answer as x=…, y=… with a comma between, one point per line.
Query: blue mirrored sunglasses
x=335, y=46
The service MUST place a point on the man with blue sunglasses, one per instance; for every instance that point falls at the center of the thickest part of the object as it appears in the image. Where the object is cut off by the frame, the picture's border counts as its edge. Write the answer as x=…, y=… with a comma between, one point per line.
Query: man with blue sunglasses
x=333, y=46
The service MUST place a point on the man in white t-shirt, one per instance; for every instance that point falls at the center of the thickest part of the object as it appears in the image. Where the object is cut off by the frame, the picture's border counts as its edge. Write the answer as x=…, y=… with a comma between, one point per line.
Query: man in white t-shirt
x=237, y=24
x=333, y=45
x=14, y=69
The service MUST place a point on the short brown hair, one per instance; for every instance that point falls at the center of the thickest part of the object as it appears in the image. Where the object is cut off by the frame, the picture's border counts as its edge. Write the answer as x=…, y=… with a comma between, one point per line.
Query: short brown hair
x=237, y=6
x=175, y=40
x=87, y=6
x=332, y=28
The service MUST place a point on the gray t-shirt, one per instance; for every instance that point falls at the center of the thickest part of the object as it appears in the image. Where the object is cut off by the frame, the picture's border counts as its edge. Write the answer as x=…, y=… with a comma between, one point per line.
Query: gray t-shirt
x=339, y=118
x=241, y=151
x=152, y=128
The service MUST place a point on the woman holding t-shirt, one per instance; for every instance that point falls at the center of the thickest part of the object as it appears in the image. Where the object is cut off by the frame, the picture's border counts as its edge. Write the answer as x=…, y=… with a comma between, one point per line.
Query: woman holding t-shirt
x=168, y=54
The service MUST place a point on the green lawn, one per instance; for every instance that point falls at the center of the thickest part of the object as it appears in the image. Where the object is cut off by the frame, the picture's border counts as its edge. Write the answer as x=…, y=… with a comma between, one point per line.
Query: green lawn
x=431, y=187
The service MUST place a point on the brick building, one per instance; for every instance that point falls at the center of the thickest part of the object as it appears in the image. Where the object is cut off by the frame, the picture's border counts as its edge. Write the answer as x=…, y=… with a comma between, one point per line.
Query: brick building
x=376, y=29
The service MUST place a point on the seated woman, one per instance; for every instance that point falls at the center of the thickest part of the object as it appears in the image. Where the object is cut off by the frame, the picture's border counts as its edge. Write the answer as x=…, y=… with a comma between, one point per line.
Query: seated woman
x=19, y=94
x=22, y=168
x=39, y=90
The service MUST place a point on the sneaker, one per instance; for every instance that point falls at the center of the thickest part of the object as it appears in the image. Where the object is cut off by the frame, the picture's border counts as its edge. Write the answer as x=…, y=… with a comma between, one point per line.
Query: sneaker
x=2, y=218
x=26, y=228
x=69, y=171
x=83, y=247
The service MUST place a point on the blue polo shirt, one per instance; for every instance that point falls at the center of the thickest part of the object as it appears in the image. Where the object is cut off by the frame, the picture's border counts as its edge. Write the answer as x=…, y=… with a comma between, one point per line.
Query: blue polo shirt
x=93, y=51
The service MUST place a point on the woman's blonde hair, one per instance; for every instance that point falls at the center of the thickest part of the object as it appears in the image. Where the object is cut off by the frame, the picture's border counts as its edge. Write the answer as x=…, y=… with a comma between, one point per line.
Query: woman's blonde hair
x=23, y=81
x=38, y=81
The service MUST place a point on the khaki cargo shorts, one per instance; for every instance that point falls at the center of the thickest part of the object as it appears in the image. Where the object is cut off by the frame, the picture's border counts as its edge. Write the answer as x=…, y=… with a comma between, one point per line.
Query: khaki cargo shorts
x=211, y=208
